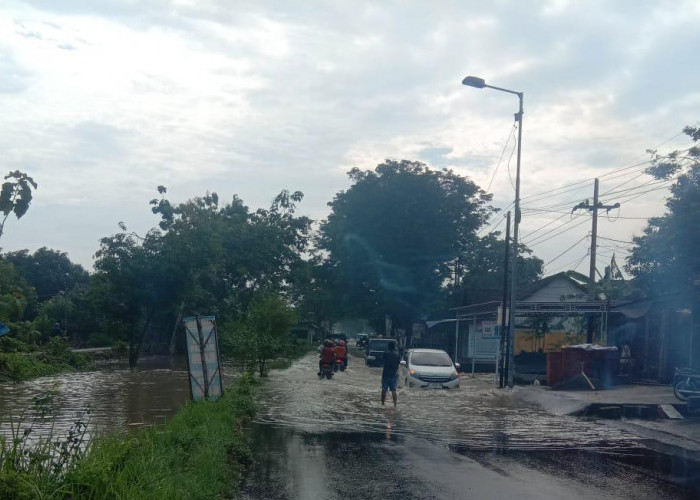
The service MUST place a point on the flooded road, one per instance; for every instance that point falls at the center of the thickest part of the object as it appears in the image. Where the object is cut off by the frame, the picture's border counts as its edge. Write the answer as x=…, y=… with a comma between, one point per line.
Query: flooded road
x=332, y=439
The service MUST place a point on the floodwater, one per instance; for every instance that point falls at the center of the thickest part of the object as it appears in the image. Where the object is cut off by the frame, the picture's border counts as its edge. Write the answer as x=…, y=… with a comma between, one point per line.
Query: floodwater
x=117, y=397
x=332, y=439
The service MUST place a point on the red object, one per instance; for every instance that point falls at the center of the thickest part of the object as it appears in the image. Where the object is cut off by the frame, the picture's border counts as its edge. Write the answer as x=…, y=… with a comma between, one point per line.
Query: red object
x=567, y=363
x=328, y=355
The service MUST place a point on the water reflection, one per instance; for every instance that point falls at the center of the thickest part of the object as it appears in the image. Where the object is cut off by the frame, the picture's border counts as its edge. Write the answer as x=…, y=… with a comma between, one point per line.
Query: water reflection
x=117, y=396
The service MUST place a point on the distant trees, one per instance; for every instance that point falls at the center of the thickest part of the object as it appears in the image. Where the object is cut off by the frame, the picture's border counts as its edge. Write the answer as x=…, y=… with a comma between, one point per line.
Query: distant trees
x=50, y=272
x=479, y=270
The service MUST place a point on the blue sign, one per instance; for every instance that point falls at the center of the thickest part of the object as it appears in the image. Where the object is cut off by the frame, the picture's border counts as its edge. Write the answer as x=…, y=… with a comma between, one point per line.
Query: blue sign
x=3, y=329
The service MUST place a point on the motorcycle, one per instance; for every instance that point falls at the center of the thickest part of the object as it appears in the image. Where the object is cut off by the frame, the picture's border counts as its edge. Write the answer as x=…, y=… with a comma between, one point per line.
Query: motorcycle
x=326, y=371
x=686, y=384
x=339, y=365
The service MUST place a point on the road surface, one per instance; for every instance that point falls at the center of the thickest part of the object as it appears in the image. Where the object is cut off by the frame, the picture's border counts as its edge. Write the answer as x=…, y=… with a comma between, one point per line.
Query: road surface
x=332, y=439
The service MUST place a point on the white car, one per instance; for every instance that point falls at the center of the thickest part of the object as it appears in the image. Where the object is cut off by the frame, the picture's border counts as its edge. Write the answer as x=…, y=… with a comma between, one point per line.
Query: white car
x=428, y=368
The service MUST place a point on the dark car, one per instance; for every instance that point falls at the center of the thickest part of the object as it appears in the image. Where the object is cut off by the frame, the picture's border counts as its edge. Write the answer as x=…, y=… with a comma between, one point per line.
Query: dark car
x=375, y=351
x=362, y=340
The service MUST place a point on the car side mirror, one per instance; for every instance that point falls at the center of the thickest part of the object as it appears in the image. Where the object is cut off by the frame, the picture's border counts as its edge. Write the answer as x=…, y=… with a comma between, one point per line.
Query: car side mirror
x=458, y=366
x=403, y=363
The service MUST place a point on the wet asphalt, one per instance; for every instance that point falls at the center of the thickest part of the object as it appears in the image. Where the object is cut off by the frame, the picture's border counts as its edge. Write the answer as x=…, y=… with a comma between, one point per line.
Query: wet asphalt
x=333, y=440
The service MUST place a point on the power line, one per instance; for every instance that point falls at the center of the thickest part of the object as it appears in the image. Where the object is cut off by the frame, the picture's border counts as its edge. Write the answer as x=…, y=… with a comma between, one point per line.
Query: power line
x=510, y=177
x=632, y=196
x=569, y=213
x=542, y=238
x=618, y=241
x=567, y=265
x=510, y=135
x=565, y=251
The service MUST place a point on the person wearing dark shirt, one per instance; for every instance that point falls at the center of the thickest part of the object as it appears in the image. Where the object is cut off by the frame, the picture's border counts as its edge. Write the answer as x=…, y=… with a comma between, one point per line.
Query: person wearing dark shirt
x=390, y=372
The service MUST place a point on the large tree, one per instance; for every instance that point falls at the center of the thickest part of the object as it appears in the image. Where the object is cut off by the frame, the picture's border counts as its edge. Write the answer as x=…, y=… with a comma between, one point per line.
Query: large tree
x=394, y=234
x=665, y=258
x=204, y=258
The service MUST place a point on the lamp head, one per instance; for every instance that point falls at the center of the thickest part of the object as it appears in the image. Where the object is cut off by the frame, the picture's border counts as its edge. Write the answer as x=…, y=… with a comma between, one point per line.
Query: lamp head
x=474, y=81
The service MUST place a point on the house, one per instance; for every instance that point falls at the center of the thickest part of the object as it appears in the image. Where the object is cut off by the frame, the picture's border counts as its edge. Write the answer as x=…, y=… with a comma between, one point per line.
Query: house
x=550, y=314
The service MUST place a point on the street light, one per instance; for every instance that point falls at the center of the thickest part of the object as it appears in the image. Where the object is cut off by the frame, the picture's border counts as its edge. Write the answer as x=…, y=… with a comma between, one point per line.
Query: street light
x=480, y=83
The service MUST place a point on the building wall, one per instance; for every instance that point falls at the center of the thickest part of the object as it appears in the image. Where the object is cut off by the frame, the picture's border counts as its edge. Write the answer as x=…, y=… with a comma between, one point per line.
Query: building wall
x=552, y=341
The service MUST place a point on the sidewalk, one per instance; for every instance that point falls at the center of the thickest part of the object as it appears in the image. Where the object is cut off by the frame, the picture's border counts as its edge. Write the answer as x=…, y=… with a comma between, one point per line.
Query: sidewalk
x=683, y=433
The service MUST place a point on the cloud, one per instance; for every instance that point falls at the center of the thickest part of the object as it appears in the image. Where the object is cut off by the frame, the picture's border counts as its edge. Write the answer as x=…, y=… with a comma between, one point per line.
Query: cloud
x=106, y=100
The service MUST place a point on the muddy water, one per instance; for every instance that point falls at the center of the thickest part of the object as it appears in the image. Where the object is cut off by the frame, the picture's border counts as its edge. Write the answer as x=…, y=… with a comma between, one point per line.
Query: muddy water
x=477, y=416
x=117, y=397
x=332, y=439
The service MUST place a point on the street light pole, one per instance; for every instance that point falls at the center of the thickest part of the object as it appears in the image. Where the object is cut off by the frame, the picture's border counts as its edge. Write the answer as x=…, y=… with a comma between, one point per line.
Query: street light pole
x=479, y=83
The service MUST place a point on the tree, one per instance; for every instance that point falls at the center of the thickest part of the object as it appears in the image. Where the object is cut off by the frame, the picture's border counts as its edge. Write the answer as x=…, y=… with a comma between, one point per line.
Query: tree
x=135, y=283
x=261, y=335
x=205, y=258
x=480, y=268
x=665, y=258
x=15, y=196
x=50, y=272
x=392, y=236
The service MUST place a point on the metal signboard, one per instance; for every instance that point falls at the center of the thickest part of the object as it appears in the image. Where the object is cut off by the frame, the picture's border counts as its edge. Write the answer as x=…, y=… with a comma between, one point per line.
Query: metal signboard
x=203, y=358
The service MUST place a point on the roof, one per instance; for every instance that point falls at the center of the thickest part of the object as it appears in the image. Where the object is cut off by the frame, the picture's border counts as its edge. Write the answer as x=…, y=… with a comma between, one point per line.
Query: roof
x=577, y=279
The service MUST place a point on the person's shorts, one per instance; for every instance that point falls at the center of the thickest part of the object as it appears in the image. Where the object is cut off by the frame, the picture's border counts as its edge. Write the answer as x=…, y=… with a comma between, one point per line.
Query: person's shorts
x=389, y=382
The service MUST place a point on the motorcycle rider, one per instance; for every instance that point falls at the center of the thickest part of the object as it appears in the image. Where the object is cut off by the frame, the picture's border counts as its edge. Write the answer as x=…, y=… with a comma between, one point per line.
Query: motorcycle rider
x=341, y=352
x=327, y=355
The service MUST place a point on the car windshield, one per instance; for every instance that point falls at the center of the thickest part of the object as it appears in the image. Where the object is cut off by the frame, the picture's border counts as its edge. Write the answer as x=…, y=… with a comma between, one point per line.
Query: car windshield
x=431, y=359
x=379, y=345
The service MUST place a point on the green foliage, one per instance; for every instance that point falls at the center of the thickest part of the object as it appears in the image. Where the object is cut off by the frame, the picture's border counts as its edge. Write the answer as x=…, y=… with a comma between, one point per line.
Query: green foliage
x=480, y=269
x=197, y=454
x=18, y=361
x=665, y=259
x=262, y=335
x=205, y=257
x=16, y=296
x=15, y=196
x=393, y=235
x=49, y=271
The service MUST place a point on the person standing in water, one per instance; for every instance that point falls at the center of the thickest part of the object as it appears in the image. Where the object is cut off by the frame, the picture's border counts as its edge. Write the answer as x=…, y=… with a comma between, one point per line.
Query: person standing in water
x=390, y=374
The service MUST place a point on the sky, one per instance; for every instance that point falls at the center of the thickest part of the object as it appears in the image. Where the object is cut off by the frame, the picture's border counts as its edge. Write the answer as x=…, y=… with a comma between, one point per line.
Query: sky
x=101, y=102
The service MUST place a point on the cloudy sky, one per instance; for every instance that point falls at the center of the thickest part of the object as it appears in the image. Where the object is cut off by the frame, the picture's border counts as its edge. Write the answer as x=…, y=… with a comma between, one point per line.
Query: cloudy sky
x=101, y=101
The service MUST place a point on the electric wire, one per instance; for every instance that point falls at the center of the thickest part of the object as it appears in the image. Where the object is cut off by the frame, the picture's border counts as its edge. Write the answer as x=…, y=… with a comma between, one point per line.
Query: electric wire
x=566, y=251
x=495, y=171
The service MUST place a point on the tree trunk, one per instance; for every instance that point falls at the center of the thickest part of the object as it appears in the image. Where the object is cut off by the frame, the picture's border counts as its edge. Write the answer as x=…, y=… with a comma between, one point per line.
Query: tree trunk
x=177, y=323
x=135, y=347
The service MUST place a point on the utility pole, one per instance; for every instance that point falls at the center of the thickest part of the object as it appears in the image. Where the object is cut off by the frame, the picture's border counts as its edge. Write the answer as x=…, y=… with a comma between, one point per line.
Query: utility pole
x=504, y=350
x=594, y=234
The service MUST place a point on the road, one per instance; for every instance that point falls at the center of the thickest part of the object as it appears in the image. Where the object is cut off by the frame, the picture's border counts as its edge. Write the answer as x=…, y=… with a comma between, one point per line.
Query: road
x=332, y=439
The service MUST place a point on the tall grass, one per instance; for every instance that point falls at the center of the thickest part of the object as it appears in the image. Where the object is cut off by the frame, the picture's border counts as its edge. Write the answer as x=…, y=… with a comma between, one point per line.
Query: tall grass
x=197, y=454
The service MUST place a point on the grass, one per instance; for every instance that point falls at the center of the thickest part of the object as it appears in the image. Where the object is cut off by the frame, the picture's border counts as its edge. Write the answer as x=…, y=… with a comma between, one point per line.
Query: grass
x=199, y=453
x=55, y=357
